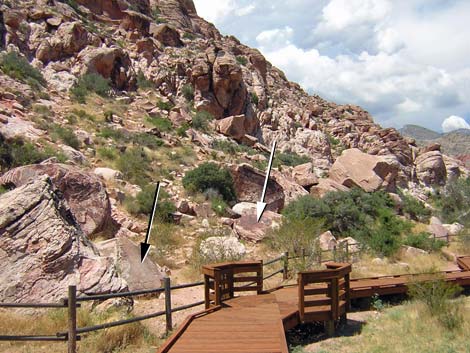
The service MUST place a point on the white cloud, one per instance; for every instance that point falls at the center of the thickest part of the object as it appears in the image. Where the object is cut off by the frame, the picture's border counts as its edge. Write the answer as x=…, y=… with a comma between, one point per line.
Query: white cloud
x=389, y=41
x=275, y=38
x=243, y=11
x=454, y=123
x=214, y=11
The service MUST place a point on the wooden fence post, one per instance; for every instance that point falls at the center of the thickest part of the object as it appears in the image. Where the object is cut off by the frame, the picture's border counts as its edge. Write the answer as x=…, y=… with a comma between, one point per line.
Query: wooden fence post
x=72, y=319
x=334, y=253
x=347, y=252
x=286, y=265
x=168, y=318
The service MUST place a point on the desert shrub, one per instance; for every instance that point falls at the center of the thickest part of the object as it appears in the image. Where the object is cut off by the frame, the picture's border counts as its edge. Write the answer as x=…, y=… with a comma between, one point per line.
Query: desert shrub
x=189, y=36
x=219, y=206
x=143, y=203
x=146, y=140
x=18, y=152
x=414, y=208
x=108, y=153
x=453, y=201
x=84, y=115
x=18, y=67
x=333, y=140
x=112, y=133
x=290, y=159
x=367, y=217
x=423, y=241
x=242, y=60
x=167, y=241
x=143, y=82
x=296, y=235
x=436, y=294
x=162, y=124
x=133, y=164
x=254, y=98
x=201, y=121
x=188, y=92
x=210, y=176
x=66, y=135
x=165, y=105
x=230, y=147
x=181, y=131
x=87, y=84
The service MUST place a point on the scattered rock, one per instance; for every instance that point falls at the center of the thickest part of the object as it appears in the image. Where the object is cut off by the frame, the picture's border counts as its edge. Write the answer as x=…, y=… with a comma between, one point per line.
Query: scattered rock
x=304, y=176
x=453, y=229
x=327, y=241
x=411, y=251
x=244, y=207
x=248, y=228
x=353, y=245
x=431, y=169
x=108, y=174
x=325, y=186
x=166, y=35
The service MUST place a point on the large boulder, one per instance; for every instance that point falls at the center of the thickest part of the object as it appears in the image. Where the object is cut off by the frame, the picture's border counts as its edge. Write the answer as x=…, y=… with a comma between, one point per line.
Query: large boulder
x=111, y=63
x=327, y=241
x=325, y=186
x=136, y=21
x=304, y=176
x=138, y=275
x=292, y=190
x=248, y=228
x=85, y=193
x=166, y=35
x=70, y=38
x=233, y=126
x=43, y=250
x=431, y=169
x=249, y=182
x=368, y=172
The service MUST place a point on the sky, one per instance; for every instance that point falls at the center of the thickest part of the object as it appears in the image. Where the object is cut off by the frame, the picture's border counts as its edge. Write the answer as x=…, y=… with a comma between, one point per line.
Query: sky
x=404, y=61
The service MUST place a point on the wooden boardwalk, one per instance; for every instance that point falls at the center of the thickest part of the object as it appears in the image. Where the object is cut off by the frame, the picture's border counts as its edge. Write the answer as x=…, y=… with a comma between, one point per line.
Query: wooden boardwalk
x=257, y=323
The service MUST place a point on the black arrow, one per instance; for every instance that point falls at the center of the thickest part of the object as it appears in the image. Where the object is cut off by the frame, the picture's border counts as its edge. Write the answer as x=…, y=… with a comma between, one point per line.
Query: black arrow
x=145, y=247
x=260, y=206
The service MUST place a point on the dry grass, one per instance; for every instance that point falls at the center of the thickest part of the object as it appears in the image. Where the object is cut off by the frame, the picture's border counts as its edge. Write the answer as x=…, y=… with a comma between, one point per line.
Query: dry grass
x=401, y=265
x=124, y=339
x=404, y=329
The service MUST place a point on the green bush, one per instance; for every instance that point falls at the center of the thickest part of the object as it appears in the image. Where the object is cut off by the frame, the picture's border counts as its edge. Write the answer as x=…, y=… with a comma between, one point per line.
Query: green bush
x=290, y=159
x=134, y=163
x=143, y=82
x=162, y=124
x=201, y=121
x=254, y=98
x=367, y=217
x=242, y=60
x=17, y=67
x=181, y=131
x=66, y=135
x=87, y=84
x=189, y=36
x=17, y=152
x=165, y=105
x=414, y=208
x=296, y=235
x=146, y=140
x=231, y=148
x=112, y=133
x=423, y=241
x=219, y=206
x=143, y=204
x=188, y=92
x=210, y=176
x=453, y=201
x=108, y=153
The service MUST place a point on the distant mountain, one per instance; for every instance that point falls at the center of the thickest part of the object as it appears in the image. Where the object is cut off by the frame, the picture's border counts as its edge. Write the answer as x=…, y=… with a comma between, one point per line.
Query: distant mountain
x=419, y=133
x=455, y=143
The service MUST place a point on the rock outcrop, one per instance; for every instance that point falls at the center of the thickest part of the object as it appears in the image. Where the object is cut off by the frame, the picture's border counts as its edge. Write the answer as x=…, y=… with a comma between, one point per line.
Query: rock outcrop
x=431, y=169
x=85, y=193
x=248, y=228
x=43, y=250
x=249, y=182
x=370, y=173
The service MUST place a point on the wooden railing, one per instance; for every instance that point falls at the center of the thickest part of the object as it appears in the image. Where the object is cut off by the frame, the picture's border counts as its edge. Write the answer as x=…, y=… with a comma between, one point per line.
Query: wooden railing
x=223, y=280
x=324, y=295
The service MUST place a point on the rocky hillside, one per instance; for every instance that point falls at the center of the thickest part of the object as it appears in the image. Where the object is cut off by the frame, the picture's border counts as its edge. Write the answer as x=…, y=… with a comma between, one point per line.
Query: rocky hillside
x=455, y=143
x=104, y=98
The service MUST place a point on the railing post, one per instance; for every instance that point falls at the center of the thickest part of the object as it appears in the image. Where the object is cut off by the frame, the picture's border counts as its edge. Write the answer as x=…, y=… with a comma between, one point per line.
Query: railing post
x=72, y=319
x=334, y=253
x=347, y=252
x=286, y=265
x=168, y=318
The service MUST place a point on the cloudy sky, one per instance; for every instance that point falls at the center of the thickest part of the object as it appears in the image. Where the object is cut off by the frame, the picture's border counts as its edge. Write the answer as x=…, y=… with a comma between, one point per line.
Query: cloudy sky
x=405, y=61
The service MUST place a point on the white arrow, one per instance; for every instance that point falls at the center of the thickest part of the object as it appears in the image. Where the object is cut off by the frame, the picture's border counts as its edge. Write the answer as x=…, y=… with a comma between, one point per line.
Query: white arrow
x=145, y=247
x=261, y=206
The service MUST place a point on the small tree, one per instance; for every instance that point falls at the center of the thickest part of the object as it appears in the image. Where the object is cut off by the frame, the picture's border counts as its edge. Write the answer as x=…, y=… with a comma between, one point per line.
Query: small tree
x=210, y=176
